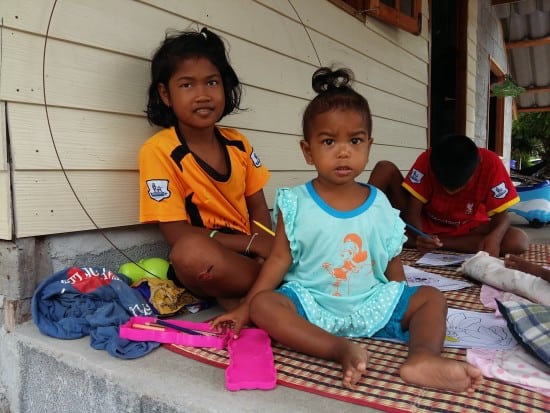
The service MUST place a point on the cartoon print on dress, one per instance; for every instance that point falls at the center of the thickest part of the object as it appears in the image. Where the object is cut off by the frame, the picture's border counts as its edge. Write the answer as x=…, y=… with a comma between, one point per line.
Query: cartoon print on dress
x=158, y=189
x=500, y=191
x=353, y=260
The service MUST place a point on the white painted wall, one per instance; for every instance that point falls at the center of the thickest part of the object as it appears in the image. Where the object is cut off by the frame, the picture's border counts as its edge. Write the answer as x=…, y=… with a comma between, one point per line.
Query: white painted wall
x=471, y=65
x=75, y=99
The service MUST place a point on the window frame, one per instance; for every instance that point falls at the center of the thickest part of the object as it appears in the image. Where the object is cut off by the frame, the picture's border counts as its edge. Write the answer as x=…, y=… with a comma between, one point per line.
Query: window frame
x=394, y=17
x=387, y=14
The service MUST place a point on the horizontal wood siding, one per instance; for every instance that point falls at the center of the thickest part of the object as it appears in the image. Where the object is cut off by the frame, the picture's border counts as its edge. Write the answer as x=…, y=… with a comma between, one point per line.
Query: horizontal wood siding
x=75, y=100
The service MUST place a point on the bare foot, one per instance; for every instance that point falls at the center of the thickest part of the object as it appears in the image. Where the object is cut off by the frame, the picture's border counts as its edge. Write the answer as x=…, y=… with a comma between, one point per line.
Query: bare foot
x=354, y=362
x=430, y=370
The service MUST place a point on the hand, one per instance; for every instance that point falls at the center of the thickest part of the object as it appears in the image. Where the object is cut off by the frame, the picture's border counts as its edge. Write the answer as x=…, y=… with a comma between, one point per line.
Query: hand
x=490, y=245
x=425, y=244
x=234, y=320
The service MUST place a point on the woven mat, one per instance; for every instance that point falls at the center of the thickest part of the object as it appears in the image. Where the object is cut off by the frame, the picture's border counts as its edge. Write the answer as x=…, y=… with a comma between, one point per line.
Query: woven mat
x=382, y=388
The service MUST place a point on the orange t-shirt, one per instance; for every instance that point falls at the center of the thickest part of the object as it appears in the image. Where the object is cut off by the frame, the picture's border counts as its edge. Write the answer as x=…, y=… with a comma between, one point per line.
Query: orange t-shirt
x=176, y=185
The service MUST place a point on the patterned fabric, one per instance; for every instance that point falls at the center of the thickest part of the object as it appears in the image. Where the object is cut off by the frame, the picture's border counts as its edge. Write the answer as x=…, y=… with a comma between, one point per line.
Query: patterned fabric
x=177, y=185
x=489, y=191
x=530, y=324
x=382, y=388
x=338, y=267
x=491, y=271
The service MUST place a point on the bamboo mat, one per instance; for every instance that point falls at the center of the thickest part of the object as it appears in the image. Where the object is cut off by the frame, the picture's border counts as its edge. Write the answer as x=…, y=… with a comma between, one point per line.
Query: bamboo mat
x=382, y=388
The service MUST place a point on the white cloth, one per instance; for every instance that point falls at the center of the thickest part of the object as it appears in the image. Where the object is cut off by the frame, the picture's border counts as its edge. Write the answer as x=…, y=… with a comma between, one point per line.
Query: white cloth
x=514, y=366
x=491, y=271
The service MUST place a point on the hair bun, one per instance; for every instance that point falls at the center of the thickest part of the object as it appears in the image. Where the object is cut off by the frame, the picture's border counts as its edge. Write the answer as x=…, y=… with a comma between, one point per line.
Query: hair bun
x=325, y=79
x=213, y=41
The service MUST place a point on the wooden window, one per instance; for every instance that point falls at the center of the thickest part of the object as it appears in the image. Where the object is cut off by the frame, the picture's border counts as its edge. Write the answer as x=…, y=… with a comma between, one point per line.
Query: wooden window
x=404, y=14
x=354, y=7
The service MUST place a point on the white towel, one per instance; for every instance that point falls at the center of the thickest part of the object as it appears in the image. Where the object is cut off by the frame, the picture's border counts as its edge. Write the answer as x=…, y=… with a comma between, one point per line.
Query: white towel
x=491, y=271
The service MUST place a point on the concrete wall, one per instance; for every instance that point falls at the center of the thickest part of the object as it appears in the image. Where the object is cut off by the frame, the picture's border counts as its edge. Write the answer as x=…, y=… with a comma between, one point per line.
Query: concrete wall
x=26, y=261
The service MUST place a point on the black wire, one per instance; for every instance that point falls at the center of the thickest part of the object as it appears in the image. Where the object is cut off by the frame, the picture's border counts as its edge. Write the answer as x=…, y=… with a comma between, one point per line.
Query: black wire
x=307, y=32
x=101, y=231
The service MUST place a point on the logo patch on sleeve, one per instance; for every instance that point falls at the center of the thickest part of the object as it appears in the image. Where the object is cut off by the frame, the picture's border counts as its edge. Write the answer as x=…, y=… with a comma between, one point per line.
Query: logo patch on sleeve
x=255, y=159
x=416, y=176
x=500, y=191
x=158, y=189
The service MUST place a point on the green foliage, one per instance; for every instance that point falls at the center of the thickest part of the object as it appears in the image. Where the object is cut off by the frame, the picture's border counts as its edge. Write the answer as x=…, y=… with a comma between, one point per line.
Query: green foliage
x=531, y=133
x=507, y=88
x=531, y=137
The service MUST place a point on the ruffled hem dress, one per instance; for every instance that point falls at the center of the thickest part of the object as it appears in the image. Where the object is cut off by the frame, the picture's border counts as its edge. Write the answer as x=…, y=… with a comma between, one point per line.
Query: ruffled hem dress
x=339, y=259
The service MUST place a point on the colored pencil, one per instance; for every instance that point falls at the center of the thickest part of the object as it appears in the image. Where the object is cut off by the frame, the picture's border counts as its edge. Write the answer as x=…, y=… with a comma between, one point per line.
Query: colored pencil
x=266, y=229
x=177, y=327
x=414, y=229
x=147, y=327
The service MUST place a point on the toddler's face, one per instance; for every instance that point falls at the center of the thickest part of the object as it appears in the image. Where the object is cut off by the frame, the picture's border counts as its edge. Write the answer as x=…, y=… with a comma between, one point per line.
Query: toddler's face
x=338, y=145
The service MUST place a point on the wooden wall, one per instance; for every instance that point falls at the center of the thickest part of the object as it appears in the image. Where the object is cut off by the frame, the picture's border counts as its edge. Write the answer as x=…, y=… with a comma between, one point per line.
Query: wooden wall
x=75, y=99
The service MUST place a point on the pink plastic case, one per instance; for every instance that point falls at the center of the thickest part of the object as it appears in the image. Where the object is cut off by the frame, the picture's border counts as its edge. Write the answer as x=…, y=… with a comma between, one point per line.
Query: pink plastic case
x=251, y=364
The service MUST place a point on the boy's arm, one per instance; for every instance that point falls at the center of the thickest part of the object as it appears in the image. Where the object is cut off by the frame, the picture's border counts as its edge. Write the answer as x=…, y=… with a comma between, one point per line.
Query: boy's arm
x=413, y=212
x=498, y=226
x=412, y=217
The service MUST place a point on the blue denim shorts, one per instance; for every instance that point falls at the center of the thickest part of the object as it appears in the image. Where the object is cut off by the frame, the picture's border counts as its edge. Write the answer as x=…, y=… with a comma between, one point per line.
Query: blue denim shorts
x=392, y=329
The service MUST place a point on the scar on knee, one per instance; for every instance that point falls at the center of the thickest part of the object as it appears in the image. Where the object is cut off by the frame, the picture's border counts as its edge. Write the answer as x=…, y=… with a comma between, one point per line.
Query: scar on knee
x=205, y=275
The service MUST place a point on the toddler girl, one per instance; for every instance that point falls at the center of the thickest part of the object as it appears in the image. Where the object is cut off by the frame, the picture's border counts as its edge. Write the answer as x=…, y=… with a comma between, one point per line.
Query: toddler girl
x=334, y=271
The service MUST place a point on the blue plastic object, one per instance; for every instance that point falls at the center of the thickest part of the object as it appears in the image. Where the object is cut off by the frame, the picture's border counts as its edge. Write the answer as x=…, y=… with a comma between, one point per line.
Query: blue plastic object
x=534, y=203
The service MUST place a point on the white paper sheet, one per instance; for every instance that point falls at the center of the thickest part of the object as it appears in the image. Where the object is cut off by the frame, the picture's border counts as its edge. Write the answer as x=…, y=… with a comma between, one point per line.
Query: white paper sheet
x=416, y=277
x=471, y=329
x=443, y=260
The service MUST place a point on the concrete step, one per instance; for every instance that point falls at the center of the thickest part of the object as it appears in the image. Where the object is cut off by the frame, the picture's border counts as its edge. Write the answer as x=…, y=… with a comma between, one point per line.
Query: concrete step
x=44, y=374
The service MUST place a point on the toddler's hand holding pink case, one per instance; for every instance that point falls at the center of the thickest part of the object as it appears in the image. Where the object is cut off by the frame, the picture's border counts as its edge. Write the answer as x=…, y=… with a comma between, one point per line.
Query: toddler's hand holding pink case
x=251, y=364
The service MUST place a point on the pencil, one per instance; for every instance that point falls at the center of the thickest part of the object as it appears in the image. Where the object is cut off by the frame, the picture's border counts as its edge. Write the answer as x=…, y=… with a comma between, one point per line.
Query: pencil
x=177, y=327
x=266, y=229
x=147, y=327
x=414, y=229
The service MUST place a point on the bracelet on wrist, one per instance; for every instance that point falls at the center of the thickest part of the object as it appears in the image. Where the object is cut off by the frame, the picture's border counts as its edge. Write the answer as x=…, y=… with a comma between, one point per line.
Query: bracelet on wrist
x=247, y=250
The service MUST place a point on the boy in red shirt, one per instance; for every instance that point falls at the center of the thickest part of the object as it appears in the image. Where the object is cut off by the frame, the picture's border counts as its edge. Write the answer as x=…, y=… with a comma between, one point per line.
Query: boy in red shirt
x=459, y=196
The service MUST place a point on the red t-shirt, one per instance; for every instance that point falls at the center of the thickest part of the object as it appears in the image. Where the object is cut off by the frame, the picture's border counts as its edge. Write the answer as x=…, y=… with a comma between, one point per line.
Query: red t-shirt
x=489, y=191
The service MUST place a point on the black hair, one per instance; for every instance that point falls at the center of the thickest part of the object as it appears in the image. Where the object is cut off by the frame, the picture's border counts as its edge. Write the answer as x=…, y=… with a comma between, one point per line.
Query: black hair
x=183, y=45
x=334, y=93
x=454, y=159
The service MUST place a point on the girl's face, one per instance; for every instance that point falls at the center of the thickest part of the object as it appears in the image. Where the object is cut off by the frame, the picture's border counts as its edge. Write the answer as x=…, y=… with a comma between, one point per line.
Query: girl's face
x=338, y=145
x=195, y=93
